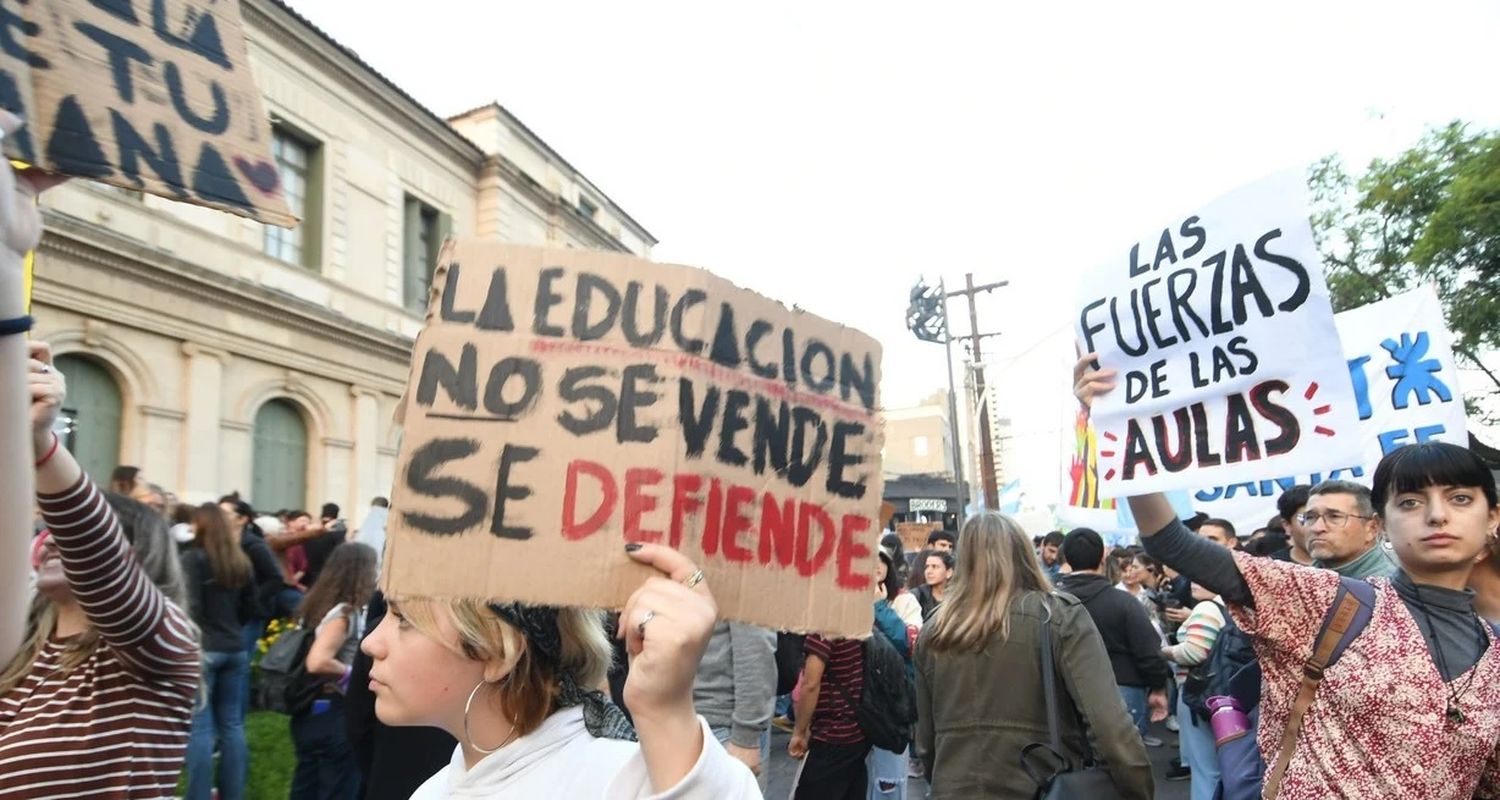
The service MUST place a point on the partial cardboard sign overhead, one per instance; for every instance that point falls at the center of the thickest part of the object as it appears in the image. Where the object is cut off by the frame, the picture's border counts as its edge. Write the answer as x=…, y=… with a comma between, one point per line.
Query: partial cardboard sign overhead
x=153, y=95
x=565, y=402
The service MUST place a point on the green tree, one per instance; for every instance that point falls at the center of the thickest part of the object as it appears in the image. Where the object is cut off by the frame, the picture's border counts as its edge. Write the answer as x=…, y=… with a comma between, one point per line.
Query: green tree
x=1429, y=215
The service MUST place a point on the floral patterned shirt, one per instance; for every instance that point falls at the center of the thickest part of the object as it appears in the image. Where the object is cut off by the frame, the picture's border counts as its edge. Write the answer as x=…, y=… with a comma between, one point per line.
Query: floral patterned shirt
x=1378, y=727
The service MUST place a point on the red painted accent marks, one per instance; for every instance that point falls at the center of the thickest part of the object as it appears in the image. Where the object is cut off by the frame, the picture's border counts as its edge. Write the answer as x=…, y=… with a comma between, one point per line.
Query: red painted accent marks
x=1321, y=409
x=1107, y=453
x=1323, y=430
x=1109, y=476
x=1111, y=436
x=1312, y=389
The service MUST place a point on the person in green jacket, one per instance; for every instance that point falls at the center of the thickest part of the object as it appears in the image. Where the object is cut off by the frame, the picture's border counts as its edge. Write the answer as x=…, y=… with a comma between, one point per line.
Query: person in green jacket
x=979, y=675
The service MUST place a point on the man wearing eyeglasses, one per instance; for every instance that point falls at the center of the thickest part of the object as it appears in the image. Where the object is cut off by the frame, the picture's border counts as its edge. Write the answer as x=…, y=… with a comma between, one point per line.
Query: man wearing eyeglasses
x=1343, y=533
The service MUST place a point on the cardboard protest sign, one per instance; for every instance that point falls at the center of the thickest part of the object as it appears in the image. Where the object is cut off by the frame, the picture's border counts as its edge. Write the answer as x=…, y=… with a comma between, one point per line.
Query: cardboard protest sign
x=1220, y=327
x=563, y=403
x=914, y=534
x=156, y=96
x=1400, y=359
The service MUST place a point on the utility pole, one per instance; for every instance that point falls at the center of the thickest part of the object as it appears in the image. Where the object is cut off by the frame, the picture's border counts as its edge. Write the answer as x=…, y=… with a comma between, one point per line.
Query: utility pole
x=986, y=446
x=928, y=319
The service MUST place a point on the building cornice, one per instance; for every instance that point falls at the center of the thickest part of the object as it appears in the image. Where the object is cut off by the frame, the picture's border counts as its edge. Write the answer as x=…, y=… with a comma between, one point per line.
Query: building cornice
x=557, y=158
x=294, y=31
x=75, y=239
x=553, y=203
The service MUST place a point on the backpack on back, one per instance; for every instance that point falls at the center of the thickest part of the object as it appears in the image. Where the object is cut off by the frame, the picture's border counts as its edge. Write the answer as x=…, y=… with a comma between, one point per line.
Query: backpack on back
x=285, y=684
x=887, y=707
x=1231, y=653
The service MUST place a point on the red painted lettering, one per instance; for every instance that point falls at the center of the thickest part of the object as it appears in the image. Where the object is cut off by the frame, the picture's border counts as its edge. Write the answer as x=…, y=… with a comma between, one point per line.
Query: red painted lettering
x=571, y=529
x=778, y=531
x=809, y=562
x=637, y=503
x=855, y=569
x=685, y=503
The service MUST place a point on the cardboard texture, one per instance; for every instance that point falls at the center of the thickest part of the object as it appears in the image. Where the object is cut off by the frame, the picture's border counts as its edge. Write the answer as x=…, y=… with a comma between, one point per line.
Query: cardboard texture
x=565, y=402
x=914, y=534
x=154, y=95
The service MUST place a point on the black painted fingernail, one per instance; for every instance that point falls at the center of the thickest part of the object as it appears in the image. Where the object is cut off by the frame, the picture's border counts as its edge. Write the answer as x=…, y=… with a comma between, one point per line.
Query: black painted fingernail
x=631, y=547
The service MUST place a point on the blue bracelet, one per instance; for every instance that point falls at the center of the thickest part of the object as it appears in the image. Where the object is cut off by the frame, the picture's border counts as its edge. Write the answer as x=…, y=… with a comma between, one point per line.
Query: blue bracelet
x=11, y=327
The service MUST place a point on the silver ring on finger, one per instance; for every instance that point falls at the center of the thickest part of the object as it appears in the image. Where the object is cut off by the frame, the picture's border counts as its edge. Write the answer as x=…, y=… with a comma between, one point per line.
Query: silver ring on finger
x=640, y=627
x=693, y=579
x=45, y=369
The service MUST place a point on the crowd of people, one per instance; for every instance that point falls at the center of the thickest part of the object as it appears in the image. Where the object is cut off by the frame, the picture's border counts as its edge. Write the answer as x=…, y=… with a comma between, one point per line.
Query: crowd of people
x=1344, y=643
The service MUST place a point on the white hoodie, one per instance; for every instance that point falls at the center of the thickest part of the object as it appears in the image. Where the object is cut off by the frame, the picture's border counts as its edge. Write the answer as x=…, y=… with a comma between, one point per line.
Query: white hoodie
x=561, y=759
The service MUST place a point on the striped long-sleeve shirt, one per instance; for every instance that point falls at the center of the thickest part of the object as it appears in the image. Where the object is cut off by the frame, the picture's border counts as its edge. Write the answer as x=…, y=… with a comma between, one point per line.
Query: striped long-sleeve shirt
x=1198, y=633
x=116, y=726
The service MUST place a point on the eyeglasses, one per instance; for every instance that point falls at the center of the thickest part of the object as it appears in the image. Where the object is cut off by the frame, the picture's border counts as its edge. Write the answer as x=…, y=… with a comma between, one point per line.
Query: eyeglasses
x=1335, y=519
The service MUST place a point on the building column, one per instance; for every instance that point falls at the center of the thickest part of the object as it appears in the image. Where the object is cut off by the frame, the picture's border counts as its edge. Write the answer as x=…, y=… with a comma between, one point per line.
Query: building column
x=235, y=452
x=203, y=460
x=338, y=483
x=159, y=460
x=366, y=444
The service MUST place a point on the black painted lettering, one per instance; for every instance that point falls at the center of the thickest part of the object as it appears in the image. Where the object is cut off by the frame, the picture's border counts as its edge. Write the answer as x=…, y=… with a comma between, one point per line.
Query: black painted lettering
x=735, y=403
x=511, y=455
x=446, y=311
x=630, y=318
x=805, y=456
x=1265, y=405
x=212, y=179
x=1177, y=301
x=545, y=300
x=1192, y=230
x=840, y=458
x=495, y=315
x=1179, y=458
x=428, y=459
x=162, y=159
x=589, y=287
x=1141, y=345
x=73, y=148
x=860, y=379
x=122, y=53
x=12, y=23
x=530, y=373
x=1299, y=295
x=636, y=394
x=816, y=351
x=696, y=421
x=772, y=429
x=214, y=125
x=461, y=385
x=573, y=389
x=1137, y=451
x=758, y=329
x=1243, y=284
x=685, y=343
x=726, y=346
x=1239, y=431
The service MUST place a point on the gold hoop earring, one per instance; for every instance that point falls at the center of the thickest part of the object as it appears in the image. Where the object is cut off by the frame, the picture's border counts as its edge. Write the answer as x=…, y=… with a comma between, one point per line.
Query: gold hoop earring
x=468, y=737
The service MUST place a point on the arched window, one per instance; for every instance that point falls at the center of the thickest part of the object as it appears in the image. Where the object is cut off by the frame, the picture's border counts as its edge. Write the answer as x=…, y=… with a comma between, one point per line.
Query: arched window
x=279, y=461
x=91, y=415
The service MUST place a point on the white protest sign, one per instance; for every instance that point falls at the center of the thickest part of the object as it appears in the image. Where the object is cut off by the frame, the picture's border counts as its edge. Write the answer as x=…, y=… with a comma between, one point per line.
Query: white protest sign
x=1219, y=324
x=1400, y=358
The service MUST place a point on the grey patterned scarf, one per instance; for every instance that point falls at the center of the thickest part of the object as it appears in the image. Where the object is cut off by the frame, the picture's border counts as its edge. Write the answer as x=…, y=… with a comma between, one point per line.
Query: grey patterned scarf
x=538, y=624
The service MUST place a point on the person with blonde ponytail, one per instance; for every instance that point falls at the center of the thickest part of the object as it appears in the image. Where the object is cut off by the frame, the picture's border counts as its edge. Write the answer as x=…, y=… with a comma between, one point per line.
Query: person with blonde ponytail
x=988, y=629
x=221, y=597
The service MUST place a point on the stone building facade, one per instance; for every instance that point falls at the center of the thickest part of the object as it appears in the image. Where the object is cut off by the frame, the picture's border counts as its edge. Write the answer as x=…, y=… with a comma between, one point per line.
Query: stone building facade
x=218, y=354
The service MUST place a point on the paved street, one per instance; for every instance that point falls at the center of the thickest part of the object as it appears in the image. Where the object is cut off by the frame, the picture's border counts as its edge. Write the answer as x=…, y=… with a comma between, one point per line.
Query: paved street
x=784, y=769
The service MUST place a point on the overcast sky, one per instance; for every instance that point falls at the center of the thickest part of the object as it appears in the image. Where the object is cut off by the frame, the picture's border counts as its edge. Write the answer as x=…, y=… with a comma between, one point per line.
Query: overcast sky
x=829, y=153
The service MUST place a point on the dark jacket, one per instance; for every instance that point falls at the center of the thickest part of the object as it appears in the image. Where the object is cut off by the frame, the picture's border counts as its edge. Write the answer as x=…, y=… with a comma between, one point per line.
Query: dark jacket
x=970, y=733
x=1133, y=645
x=268, y=579
x=320, y=547
x=927, y=602
x=220, y=613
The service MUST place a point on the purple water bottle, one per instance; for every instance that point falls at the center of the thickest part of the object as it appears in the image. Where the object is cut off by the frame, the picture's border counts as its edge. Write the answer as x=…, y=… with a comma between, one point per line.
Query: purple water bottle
x=1228, y=719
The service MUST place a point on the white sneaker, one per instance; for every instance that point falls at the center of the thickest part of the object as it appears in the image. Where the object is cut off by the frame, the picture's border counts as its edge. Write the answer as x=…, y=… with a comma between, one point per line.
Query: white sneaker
x=1172, y=724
